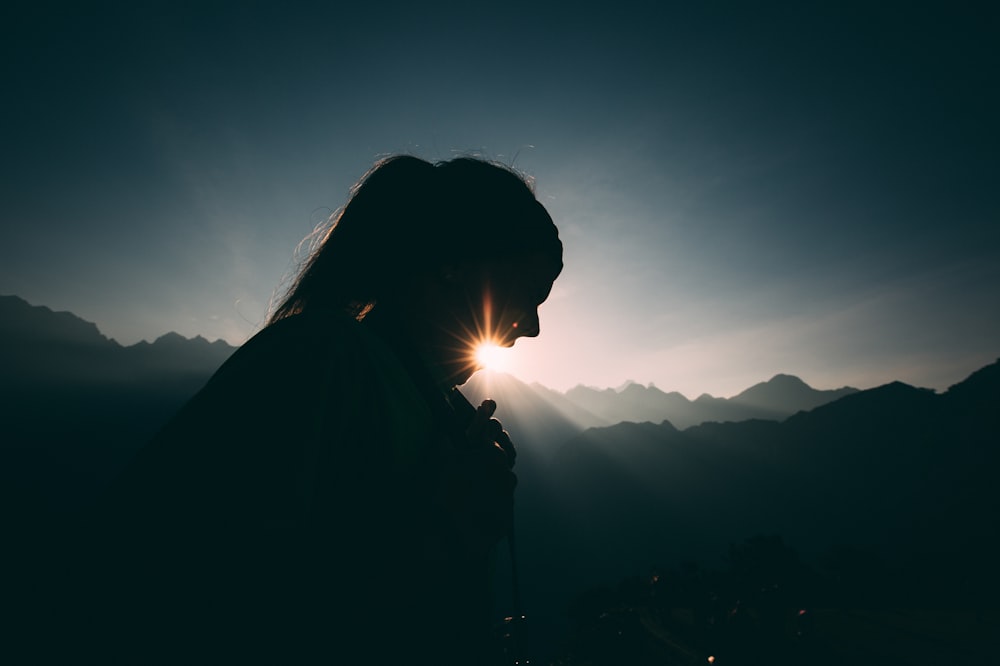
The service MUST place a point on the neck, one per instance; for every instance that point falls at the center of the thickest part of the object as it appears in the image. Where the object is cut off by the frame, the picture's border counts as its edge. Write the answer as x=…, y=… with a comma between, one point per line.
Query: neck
x=423, y=355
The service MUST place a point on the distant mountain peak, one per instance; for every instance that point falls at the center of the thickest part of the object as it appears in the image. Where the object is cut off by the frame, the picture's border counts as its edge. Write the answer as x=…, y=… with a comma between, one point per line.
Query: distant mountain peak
x=982, y=382
x=784, y=392
x=170, y=337
x=580, y=389
x=174, y=338
x=787, y=380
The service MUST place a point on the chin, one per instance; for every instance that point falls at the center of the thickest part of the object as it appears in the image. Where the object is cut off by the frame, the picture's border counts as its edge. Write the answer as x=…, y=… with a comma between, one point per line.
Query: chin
x=507, y=341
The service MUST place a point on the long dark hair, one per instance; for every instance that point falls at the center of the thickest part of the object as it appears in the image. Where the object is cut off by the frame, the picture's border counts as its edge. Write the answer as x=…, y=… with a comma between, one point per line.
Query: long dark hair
x=407, y=218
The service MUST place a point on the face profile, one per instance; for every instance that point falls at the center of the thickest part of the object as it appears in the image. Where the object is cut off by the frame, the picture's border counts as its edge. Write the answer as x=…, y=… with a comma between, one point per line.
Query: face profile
x=495, y=303
x=516, y=292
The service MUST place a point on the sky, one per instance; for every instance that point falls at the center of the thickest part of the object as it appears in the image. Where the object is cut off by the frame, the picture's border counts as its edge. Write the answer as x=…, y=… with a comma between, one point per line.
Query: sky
x=741, y=190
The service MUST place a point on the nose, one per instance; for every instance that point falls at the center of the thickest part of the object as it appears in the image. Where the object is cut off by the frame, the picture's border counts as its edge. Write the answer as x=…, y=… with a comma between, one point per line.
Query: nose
x=527, y=326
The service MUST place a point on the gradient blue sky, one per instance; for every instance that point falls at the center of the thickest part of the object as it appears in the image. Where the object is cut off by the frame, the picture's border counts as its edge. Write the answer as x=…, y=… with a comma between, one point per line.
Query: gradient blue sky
x=740, y=192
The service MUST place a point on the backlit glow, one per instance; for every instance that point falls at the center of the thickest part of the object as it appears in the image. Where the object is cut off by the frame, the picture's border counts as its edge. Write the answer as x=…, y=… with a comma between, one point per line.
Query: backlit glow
x=482, y=345
x=492, y=357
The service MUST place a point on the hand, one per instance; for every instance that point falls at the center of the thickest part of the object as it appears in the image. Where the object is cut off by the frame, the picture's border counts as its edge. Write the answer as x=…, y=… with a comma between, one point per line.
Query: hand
x=486, y=432
x=480, y=483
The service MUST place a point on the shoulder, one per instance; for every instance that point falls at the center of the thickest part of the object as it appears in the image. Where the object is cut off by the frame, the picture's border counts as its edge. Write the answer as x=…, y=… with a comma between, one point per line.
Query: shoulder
x=301, y=335
x=264, y=401
x=291, y=368
x=301, y=348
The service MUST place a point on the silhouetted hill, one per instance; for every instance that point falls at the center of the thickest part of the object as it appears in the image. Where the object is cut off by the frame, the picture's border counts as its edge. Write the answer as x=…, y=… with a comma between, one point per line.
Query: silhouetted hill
x=75, y=405
x=899, y=471
x=977, y=393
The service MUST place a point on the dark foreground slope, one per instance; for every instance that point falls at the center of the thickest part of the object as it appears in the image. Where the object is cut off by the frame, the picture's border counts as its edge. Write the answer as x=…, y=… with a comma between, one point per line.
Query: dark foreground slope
x=900, y=471
x=861, y=532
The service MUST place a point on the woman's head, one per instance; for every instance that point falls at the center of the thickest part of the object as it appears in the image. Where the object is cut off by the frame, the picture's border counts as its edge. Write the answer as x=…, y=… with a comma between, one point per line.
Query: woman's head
x=416, y=238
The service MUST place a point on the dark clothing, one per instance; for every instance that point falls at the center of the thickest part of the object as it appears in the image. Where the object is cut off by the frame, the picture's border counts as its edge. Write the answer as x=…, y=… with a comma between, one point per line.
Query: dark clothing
x=298, y=509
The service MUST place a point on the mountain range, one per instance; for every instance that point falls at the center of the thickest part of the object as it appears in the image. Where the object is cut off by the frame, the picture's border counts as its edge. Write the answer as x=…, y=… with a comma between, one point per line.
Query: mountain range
x=611, y=482
x=42, y=349
x=55, y=357
x=587, y=407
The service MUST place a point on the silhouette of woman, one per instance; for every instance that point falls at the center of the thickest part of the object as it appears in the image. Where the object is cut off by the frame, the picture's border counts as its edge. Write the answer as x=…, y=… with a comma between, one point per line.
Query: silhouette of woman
x=326, y=496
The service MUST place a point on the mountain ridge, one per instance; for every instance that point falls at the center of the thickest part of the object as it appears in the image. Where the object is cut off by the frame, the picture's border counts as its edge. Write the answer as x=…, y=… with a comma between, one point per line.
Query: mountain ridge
x=46, y=347
x=776, y=399
x=17, y=314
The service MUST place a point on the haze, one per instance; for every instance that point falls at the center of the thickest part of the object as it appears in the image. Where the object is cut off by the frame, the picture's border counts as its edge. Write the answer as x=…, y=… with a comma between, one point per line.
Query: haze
x=740, y=192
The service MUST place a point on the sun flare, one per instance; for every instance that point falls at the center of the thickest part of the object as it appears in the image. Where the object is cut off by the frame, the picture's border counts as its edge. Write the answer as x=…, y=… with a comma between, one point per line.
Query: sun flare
x=492, y=357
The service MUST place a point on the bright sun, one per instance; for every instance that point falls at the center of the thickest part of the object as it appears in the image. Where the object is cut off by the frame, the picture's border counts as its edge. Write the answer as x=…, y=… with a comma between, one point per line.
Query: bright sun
x=492, y=357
